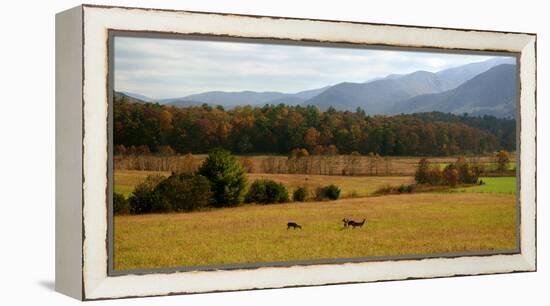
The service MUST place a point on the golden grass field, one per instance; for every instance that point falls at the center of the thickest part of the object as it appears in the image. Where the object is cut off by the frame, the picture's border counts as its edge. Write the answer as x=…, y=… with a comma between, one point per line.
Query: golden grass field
x=126, y=180
x=424, y=223
x=478, y=218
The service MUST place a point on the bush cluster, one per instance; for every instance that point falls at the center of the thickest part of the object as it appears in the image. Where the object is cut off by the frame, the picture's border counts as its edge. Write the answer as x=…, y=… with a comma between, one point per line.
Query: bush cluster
x=396, y=189
x=184, y=192
x=178, y=192
x=468, y=173
x=219, y=182
x=144, y=198
x=120, y=204
x=330, y=192
x=267, y=192
x=300, y=194
x=459, y=172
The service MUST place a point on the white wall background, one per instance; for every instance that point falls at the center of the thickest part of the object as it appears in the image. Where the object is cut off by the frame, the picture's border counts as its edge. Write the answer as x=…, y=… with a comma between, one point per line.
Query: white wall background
x=27, y=153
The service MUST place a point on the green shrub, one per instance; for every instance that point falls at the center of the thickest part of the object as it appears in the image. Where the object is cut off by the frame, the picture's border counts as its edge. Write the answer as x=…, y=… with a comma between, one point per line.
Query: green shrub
x=421, y=174
x=184, y=192
x=468, y=174
x=266, y=192
x=144, y=198
x=300, y=194
x=395, y=189
x=330, y=192
x=227, y=178
x=120, y=204
x=401, y=189
x=386, y=189
x=410, y=188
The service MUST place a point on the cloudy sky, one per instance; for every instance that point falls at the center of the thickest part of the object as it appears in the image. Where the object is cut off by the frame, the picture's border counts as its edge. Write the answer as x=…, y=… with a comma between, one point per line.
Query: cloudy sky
x=168, y=68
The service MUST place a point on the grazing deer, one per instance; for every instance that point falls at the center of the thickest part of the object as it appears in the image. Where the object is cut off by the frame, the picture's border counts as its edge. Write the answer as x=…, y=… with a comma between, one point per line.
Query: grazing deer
x=354, y=224
x=293, y=225
x=346, y=222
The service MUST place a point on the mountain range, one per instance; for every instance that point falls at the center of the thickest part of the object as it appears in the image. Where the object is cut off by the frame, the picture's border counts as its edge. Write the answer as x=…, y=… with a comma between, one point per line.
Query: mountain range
x=232, y=99
x=487, y=87
x=489, y=93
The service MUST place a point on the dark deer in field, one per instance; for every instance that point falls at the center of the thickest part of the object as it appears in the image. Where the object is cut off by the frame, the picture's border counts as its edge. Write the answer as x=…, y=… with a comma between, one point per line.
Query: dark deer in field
x=354, y=224
x=346, y=222
x=294, y=225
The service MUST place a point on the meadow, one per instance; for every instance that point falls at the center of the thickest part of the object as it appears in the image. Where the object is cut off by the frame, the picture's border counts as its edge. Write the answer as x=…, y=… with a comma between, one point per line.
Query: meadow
x=464, y=219
x=427, y=223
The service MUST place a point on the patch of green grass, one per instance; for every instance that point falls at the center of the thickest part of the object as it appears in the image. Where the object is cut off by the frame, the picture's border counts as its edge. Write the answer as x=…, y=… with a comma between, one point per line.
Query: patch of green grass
x=504, y=185
x=488, y=166
x=425, y=223
x=124, y=190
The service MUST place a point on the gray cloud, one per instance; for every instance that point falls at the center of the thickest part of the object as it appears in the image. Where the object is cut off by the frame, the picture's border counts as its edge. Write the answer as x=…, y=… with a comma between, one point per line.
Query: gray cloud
x=166, y=68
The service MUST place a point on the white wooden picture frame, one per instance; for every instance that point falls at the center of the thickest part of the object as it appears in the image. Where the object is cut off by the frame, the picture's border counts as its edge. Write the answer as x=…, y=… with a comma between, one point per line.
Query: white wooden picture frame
x=82, y=156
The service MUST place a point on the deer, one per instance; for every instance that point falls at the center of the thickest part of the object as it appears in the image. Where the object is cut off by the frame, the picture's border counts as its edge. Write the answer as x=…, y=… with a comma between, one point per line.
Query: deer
x=294, y=225
x=346, y=222
x=354, y=224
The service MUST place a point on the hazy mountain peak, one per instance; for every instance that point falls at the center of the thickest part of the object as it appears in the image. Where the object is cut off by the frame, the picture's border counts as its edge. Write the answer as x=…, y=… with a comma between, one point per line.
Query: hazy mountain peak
x=493, y=92
x=138, y=96
x=461, y=74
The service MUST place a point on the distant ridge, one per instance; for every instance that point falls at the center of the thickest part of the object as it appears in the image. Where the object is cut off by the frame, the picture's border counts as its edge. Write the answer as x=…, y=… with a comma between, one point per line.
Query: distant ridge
x=137, y=96
x=378, y=97
x=396, y=93
x=128, y=98
x=490, y=93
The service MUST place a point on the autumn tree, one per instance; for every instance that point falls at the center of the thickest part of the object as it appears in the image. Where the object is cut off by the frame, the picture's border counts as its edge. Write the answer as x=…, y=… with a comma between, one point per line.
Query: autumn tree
x=166, y=151
x=247, y=164
x=331, y=150
x=311, y=137
x=120, y=149
x=450, y=175
x=502, y=159
x=189, y=164
x=421, y=174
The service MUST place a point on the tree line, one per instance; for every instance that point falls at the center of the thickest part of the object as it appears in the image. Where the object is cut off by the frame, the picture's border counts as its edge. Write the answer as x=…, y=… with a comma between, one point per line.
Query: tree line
x=278, y=129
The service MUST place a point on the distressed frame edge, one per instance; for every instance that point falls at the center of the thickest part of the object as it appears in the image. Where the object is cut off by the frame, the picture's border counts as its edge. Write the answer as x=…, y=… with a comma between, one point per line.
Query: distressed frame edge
x=526, y=262
x=528, y=152
x=68, y=153
x=300, y=19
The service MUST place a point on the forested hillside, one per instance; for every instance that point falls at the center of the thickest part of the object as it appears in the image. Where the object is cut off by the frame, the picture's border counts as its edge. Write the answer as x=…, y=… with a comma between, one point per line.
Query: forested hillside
x=277, y=129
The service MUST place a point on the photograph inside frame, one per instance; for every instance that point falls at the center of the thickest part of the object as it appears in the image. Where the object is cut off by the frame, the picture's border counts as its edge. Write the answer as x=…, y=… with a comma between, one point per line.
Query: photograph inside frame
x=248, y=153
